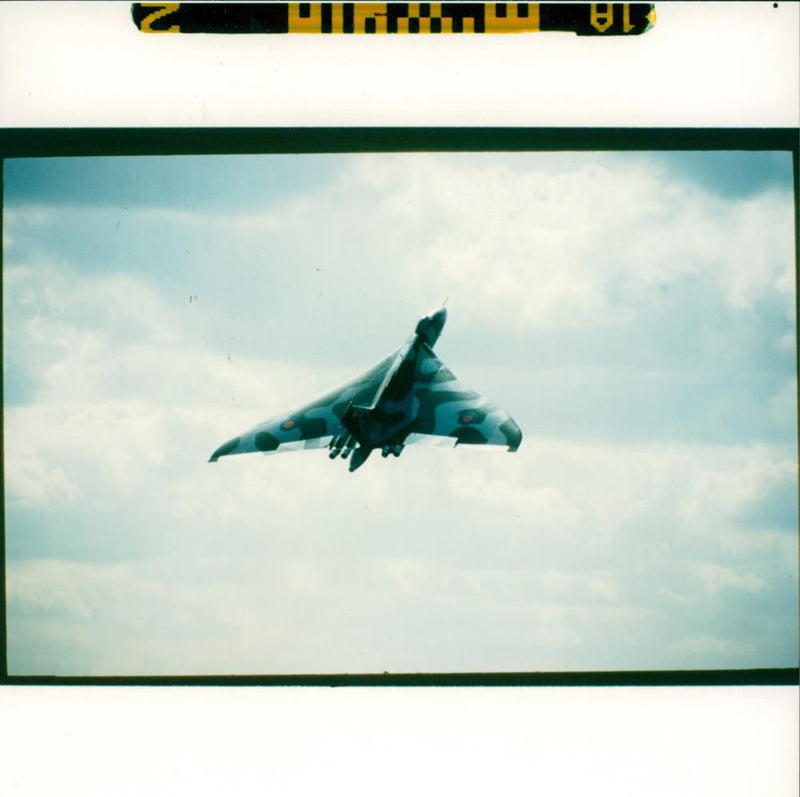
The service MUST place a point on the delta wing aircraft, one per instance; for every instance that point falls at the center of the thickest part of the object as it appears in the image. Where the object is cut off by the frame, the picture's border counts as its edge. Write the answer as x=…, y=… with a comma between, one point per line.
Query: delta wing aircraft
x=409, y=397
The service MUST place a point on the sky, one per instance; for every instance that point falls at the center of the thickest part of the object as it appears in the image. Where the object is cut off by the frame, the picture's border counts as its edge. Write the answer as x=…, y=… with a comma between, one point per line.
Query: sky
x=634, y=312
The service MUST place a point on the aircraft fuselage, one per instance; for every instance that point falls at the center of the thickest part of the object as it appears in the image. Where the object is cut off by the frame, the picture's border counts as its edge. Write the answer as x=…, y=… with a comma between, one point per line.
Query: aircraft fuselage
x=391, y=417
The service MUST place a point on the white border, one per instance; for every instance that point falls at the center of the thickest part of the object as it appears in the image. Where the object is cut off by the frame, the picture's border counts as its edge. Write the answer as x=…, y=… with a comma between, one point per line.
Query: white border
x=703, y=64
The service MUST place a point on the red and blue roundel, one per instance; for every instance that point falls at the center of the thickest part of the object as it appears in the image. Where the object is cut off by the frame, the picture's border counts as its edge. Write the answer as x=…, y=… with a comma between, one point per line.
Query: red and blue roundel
x=467, y=417
x=287, y=426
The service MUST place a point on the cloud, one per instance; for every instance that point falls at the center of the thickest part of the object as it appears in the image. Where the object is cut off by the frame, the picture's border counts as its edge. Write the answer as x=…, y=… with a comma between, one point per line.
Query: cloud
x=287, y=581
x=32, y=483
x=111, y=444
x=701, y=645
x=530, y=248
x=564, y=584
x=713, y=577
x=500, y=495
x=526, y=244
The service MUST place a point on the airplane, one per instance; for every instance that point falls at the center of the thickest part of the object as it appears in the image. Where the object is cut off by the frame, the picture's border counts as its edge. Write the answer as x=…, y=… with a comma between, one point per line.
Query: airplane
x=408, y=397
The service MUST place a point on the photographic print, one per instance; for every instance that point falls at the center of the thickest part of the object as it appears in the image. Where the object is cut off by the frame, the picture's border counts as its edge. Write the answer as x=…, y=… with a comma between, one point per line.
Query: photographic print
x=632, y=313
x=607, y=221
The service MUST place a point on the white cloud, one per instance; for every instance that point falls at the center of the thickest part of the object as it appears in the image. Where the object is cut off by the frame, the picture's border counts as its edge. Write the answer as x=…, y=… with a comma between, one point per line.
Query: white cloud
x=516, y=243
x=294, y=565
x=714, y=577
x=497, y=493
x=72, y=588
x=783, y=404
x=407, y=573
x=701, y=645
x=729, y=479
x=33, y=483
x=558, y=484
x=584, y=584
x=85, y=447
x=530, y=248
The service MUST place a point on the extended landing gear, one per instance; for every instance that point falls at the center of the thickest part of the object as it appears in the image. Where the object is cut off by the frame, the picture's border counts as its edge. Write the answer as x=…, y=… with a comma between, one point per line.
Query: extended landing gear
x=343, y=444
x=396, y=450
x=346, y=444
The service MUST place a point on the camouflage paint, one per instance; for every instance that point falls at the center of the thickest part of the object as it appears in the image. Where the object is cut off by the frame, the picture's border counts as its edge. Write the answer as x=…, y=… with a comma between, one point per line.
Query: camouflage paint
x=408, y=395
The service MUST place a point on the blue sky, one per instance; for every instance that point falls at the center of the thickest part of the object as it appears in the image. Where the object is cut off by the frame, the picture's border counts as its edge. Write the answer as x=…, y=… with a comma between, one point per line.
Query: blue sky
x=633, y=311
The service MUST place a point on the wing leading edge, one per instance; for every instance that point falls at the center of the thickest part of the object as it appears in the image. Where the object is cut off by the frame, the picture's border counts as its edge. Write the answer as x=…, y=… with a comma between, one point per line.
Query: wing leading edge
x=312, y=426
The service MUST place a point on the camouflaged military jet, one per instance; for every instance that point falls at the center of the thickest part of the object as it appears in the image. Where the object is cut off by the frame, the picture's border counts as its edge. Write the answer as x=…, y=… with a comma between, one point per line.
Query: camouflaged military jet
x=409, y=397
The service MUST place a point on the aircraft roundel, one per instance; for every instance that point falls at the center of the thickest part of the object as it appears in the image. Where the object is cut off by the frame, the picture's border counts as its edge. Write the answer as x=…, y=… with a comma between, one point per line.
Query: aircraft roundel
x=466, y=417
x=288, y=425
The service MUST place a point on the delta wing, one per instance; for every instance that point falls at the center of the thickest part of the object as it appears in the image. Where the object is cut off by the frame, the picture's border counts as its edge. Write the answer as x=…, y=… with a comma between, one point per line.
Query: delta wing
x=311, y=426
x=445, y=407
